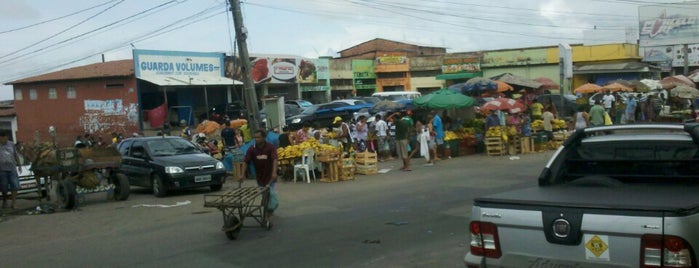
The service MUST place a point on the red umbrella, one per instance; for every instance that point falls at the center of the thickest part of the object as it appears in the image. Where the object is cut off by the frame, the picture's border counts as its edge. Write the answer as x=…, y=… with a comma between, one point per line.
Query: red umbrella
x=546, y=83
x=503, y=104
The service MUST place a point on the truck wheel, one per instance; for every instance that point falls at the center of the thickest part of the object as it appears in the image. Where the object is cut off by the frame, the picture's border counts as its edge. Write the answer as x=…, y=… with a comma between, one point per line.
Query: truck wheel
x=216, y=187
x=159, y=188
x=122, y=189
x=65, y=191
x=230, y=222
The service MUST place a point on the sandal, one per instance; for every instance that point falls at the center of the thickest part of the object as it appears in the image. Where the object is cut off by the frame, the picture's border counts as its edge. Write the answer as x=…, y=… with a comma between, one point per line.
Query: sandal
x=268, y=225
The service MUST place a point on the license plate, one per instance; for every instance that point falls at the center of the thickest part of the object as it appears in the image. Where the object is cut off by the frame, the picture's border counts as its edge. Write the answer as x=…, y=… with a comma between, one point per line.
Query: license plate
x=202, y=178
x=28, y=185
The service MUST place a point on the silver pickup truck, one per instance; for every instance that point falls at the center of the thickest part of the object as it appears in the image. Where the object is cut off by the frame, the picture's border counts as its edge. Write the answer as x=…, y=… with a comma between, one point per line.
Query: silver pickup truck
x=613, y=196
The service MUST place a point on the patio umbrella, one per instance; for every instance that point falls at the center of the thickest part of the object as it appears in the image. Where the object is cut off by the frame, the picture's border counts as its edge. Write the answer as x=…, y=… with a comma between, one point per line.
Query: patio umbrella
x=684, y=92
x=652, y=84
x=475, y=85
x=588, y=88
x=637, y=86
x=614, y=87
x=620, y=81
x=677, y=80
x=516, y=80
x=502, y=86
x=503, y=104
x=387, y=105
x=444, y=99
x=546, y=83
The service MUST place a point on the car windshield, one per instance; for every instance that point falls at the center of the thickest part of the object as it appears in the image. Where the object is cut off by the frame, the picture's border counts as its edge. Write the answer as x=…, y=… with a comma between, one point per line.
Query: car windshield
x=310, y=110
x=304, y=103
x=165, y=147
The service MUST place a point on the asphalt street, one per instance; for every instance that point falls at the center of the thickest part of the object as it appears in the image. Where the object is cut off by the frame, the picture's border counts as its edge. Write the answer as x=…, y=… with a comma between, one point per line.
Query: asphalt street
x=395, y=219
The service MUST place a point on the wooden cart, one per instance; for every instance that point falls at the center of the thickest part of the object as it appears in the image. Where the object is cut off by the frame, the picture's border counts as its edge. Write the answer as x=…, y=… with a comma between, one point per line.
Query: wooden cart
x=238, y=204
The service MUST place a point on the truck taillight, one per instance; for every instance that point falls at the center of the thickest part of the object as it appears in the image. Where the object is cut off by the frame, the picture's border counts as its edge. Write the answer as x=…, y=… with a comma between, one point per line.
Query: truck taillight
x=484, y=239
x=665, y=251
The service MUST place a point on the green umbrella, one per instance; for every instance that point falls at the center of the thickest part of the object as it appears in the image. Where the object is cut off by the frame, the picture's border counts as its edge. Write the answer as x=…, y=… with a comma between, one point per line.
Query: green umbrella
x=444, y=99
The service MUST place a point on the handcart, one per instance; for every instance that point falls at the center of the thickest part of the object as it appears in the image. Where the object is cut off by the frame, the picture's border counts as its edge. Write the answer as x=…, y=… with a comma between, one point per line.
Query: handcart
x=237, y=204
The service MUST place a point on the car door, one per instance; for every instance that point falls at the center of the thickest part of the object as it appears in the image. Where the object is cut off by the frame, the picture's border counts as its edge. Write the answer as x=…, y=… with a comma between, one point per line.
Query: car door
x=127, y=162
x=141, y=163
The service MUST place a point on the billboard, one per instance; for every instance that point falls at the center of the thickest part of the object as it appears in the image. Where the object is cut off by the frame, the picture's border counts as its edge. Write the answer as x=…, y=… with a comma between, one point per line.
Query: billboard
x=668, y=24
x=177, y=64
x=461, y=65
x=672, y=54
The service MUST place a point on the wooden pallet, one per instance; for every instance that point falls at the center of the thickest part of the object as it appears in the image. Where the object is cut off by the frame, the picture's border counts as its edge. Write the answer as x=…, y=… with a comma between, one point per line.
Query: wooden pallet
x=494, y=146
x=367, y=169
x=514, y=145
x=366, y=158
x=347, y=169
x=527, y=145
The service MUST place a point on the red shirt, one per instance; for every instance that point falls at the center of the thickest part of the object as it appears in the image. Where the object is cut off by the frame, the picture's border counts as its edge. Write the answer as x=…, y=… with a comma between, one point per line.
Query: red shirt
x=263, y=159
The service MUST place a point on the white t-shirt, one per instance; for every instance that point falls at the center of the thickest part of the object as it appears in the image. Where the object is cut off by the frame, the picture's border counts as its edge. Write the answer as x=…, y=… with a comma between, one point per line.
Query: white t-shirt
x=608, y=100
x=381, y=128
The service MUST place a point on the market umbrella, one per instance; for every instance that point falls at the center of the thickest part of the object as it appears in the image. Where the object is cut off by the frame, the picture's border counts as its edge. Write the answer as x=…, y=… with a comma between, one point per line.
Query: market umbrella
x=502, y=86
x=620, y=81
x=516, y=80
x=476, y=85
x=676, y=80
x=503, y=104
x=387, y=105
x=546, y=83
x=684, y=92
x=614, y=87
x=639, y=87
x=588, y=88
x=652, y=84
x=444, y=99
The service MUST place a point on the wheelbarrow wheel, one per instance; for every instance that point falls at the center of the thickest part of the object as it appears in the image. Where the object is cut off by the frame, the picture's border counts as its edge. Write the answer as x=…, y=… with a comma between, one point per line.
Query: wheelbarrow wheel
x=122, y=189
x=65, y=191
x=230, y=222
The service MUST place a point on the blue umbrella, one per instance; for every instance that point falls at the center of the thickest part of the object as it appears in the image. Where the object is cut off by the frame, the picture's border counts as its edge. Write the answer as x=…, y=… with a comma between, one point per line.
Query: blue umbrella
x=474, y=86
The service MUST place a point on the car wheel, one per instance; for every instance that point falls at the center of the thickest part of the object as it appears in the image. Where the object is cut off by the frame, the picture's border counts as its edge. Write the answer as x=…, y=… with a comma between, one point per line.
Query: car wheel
x=122, y=188
x=159, y=188
x=216, y=187
x=65, y=191
x=230, y=222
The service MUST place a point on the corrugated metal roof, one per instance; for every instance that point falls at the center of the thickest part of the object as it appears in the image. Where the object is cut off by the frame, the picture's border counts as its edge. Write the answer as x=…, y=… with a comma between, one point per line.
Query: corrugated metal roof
x=118, y=68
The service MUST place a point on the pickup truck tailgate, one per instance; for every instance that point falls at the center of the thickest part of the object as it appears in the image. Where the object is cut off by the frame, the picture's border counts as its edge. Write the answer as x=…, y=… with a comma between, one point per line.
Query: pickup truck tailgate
x=604, y=224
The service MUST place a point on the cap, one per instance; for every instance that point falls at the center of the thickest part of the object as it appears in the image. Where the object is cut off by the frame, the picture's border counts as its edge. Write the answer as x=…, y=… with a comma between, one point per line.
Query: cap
x=337, y=119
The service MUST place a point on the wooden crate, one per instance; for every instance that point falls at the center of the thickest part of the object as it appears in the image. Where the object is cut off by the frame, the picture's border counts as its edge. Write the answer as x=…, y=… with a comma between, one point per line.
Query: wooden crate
x=527, y=145
x=367, y=169
x=347, y=168
x=494, y=146
x=514, y=145
x=365, y=158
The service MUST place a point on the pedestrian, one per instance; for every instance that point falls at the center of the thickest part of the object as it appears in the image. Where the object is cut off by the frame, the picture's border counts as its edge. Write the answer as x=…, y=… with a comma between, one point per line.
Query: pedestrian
x=608, y=101
x=439, y=134
x=536, y=109
x=304, y=133
x=284, y=138
x=228, y=135
x=402, y=130
x=597, y=114
x=9, y=166
x=548, y=117
x=343, y=134
x=263, y=156
x=381, y=137
x=361, y=133
x=630, y=112
x=492, y=120
x=391, y=138
x=581, y=119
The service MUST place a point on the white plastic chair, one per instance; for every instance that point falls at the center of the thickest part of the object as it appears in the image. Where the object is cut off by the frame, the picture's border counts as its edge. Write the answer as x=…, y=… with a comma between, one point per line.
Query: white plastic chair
x=307, y=164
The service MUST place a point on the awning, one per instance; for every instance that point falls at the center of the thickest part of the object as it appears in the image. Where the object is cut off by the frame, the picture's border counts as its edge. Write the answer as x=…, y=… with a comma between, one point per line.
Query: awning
x=172, y=81
x=458, y=76
x=622, y=67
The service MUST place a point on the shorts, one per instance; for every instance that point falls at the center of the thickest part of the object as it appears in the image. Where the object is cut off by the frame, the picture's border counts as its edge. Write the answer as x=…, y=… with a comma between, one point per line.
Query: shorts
x=10, y=178
x=402, y=149
x=439, y=141
x=382, y=144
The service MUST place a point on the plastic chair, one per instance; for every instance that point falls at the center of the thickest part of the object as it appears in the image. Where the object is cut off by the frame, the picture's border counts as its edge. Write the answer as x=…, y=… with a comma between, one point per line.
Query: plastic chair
x=307, y=164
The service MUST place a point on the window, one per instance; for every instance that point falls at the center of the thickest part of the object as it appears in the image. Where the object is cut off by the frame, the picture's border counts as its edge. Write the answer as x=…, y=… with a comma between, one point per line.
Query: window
x=52, y=94
x=71, y=94
x=32, y=94
x=18, y=94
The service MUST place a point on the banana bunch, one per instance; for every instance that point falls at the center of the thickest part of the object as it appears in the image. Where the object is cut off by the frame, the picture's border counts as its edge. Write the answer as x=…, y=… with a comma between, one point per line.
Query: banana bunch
x=467, y=131
x=558, y=124
x=494, y=132
x=296, y=150
x=538, y=124
x=451, y=135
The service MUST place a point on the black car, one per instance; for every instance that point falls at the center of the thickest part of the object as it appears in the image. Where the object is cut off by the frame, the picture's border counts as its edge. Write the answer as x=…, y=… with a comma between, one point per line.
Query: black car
x=567, y=109
x=319, y=115
x=169, y=163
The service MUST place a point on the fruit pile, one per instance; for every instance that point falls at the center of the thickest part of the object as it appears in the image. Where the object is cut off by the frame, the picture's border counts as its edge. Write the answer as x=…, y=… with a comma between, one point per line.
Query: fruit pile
x=296, y=150
x=556, y=124
x=459, y=134
x=501, y=131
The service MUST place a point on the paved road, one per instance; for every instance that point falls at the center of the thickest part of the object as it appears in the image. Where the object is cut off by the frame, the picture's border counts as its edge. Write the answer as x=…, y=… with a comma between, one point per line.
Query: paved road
x=396, y=219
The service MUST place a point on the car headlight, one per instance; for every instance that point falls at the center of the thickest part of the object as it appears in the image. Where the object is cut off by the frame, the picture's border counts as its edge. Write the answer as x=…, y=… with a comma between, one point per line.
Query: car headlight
x=172, y=170
x=219, y=165
x=296, y=121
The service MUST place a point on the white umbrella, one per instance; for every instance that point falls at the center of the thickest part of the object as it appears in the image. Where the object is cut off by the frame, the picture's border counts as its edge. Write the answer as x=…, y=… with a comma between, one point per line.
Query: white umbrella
x=652, y=84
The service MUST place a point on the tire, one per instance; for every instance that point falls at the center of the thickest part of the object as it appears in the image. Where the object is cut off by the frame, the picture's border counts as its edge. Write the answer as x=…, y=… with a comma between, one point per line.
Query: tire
x=216, y=187
x=122, y=187
x=65, y=191
x=159, y=188
x=231, y=221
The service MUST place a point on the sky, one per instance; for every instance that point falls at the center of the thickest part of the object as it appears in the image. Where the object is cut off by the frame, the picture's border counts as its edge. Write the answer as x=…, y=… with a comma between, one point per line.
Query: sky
x=41, y=36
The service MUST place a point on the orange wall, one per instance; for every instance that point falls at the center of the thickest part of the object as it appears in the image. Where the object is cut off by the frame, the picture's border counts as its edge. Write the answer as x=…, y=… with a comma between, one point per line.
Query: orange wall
x=70, y=117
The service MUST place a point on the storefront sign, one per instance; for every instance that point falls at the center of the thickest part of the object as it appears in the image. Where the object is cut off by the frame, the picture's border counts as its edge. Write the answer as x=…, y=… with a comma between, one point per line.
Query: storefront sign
x=363, y=69
x=461, y=65
x=391, y=60
x=313, y=70
x=515, y=57
x=314, y=88
x=177, y=64
x=668, y=25
x=364, y=84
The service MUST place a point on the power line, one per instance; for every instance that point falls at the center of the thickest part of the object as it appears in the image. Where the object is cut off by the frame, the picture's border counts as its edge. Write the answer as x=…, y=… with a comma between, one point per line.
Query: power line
x=63, y=31
x=55, y=19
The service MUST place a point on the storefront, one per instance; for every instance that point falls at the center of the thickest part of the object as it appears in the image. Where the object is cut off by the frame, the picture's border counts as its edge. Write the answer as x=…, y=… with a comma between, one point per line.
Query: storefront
x=363, y=78
x=177, y=85
x=392, y=73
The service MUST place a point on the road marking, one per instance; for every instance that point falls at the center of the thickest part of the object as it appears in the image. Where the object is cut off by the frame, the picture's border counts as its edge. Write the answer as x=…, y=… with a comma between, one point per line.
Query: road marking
x=178, y=204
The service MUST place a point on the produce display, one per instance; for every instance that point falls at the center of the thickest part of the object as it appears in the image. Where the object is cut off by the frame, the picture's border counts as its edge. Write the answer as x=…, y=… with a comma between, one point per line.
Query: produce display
x=295, y=151
x=459, y=134
x=556, y=124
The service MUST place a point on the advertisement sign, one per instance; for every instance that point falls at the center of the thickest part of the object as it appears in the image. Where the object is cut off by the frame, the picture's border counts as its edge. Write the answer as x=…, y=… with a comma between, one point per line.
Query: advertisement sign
x=668, y=25
x=515, y=57
x=673, y=54
x=274, y=70
x=391, y=60
x=314, y=74
x=177, y=64
x=363, y=76
x=461, y=65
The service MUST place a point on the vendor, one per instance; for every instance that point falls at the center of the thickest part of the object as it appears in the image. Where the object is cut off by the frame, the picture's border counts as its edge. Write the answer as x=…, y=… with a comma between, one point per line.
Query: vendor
x=492, y=120
x=343, y=133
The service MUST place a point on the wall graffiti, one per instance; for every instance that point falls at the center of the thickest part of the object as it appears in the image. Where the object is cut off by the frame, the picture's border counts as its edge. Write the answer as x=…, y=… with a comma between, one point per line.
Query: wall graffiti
x=108, y=115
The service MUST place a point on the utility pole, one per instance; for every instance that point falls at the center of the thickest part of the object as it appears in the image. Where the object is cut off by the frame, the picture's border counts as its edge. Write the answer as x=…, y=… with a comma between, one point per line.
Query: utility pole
x=241, y=35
